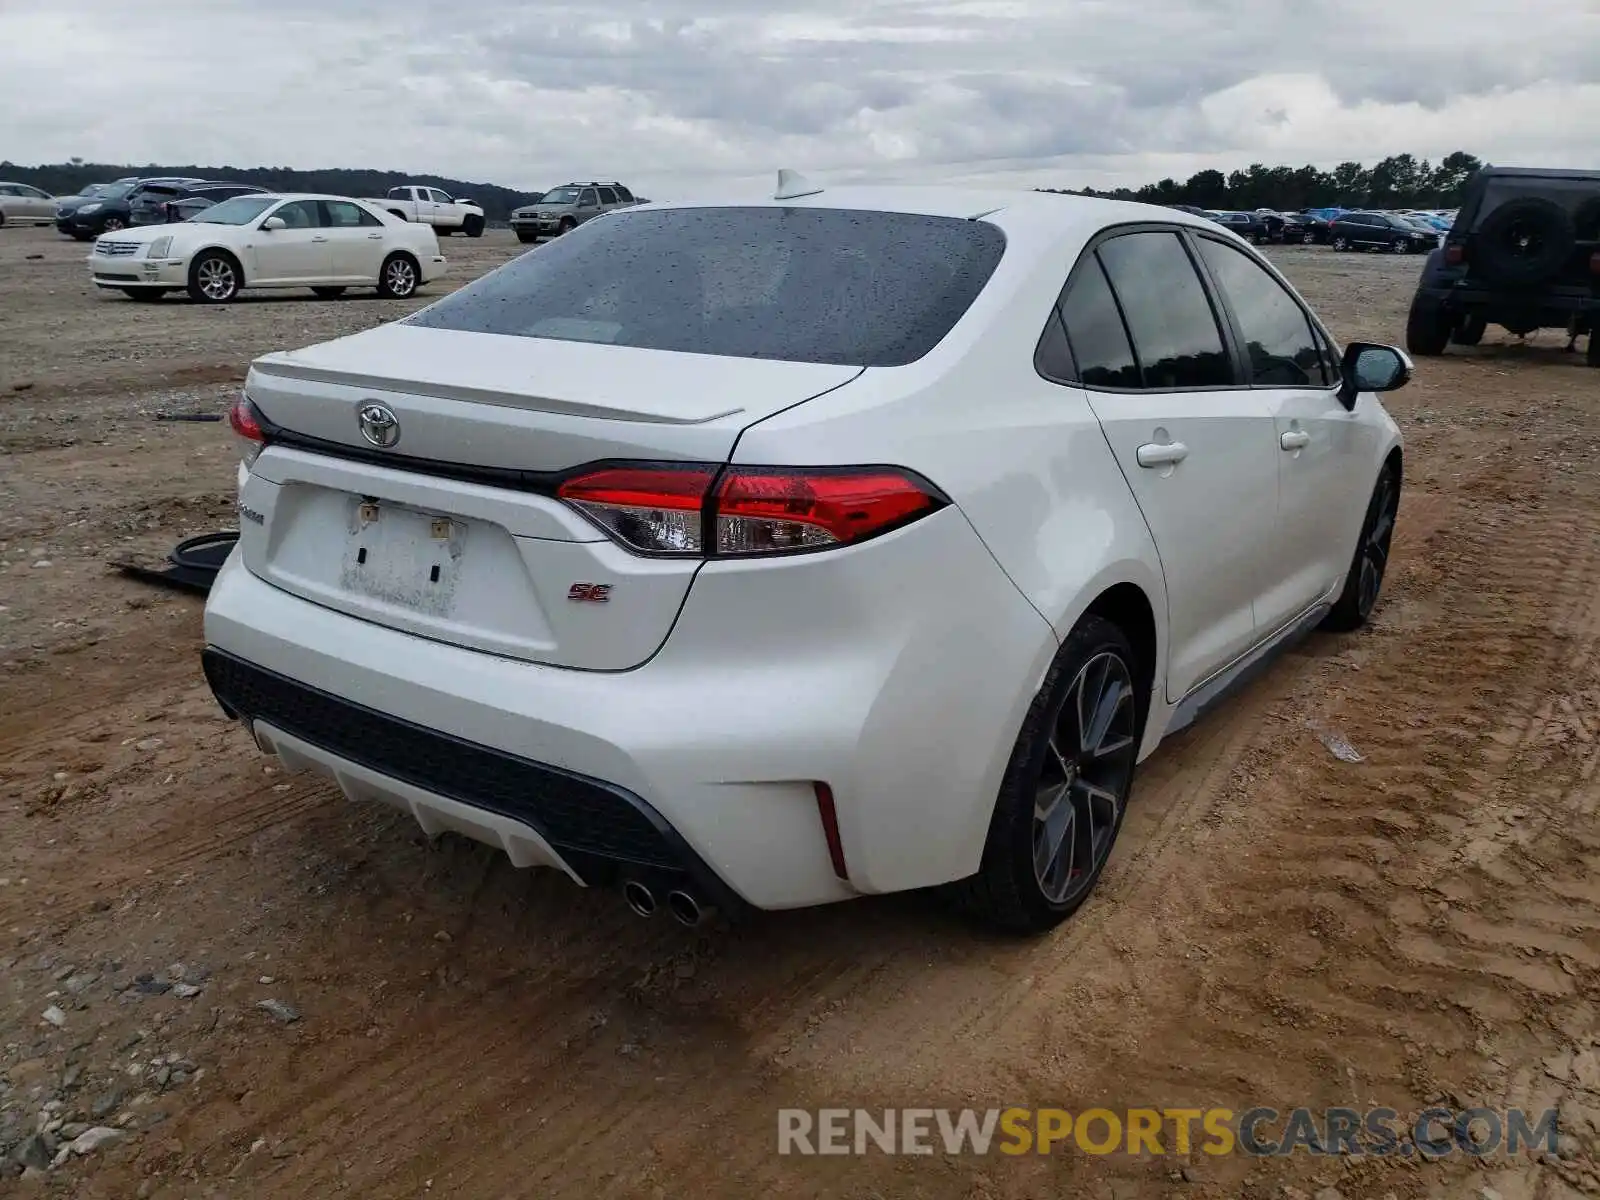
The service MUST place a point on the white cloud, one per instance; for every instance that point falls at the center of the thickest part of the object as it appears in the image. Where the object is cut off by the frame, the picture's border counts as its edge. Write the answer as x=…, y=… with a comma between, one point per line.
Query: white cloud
x=672, y=95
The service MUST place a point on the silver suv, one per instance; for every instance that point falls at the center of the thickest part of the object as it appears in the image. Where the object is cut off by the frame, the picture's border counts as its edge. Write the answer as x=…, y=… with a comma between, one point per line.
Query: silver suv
x=569, y=206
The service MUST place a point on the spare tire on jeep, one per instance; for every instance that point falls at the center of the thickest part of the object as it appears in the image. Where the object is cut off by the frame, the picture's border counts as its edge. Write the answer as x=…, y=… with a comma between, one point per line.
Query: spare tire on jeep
x=1525, y=241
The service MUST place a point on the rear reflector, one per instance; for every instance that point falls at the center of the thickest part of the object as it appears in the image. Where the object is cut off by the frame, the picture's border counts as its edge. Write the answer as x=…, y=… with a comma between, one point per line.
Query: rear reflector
x=830, y=829
x=698, y=509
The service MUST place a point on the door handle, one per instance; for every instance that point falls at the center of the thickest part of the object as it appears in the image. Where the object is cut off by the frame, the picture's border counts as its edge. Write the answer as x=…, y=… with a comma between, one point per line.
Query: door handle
x=1161, y=454
x=374, y=237
x=1295, y=439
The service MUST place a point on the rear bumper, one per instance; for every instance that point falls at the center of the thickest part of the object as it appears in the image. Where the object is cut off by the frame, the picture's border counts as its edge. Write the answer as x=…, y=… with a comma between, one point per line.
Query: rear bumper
x=1564, y=301
x=899, y=676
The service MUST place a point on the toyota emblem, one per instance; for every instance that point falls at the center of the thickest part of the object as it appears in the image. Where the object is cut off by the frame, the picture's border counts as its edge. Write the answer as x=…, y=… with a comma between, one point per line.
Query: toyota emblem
x=379, y=425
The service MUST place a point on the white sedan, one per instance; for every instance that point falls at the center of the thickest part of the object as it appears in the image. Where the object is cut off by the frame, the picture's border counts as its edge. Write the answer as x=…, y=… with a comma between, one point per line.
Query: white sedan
x=325, y=243
x=770, y=554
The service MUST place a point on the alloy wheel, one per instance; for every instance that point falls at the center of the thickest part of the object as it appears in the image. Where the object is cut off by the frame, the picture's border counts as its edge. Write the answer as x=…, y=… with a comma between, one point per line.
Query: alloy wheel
x=1084, y=779
x=1375, y=545
x=216, y=278
x=400, y=277
x=114, y=224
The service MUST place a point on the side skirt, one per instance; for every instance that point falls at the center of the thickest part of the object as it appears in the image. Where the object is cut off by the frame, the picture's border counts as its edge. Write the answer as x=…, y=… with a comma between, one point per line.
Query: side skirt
x=1249, y=666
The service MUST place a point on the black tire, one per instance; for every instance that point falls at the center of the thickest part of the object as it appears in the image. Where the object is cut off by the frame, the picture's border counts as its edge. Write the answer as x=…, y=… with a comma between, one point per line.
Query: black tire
x=1308, y=238
x=81, y=237
x=1469, y=330
x=1524, y=241
x=1365, y=581
x=473, y=226
x=1400, y=246
x=567, y=225
x=2, y=220
x=1592, y=355
x=1010, y=891
x=113, y=225
x=399, y=277
x=526, y=238
x=1341, y=243
x=327, y=293
x=144, y=295
x=1428, y=326
x=215, y=277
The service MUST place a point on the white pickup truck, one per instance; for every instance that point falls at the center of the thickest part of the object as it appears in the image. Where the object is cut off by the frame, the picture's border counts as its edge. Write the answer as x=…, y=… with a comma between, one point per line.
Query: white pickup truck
x=431, y=206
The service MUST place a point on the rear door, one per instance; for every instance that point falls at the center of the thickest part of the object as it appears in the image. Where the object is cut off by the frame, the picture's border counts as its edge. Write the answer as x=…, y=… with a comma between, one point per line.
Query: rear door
x=355, y=240
x=1195, y=446
x=588, y=204
x=1322, y=450
x=41, y=207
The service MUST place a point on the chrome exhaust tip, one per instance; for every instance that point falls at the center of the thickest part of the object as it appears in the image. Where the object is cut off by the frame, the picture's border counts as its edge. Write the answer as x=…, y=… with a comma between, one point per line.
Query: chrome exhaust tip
x=685, y=908
x=640, y=898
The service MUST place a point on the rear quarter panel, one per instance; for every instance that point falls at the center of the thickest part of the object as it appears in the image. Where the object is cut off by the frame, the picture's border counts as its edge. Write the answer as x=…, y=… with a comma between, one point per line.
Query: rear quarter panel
x=1024, y=459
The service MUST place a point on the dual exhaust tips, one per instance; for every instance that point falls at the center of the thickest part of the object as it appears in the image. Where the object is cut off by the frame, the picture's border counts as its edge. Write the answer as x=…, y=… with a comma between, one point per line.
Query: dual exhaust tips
x=681, y=904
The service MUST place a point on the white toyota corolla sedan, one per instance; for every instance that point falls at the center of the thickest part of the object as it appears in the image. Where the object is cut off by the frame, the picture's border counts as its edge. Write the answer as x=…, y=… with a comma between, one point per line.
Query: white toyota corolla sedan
x=325, y=243
x=770, y=554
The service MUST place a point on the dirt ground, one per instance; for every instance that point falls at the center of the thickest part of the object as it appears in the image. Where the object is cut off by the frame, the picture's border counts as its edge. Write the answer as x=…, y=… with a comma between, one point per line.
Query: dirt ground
x=1278, y=927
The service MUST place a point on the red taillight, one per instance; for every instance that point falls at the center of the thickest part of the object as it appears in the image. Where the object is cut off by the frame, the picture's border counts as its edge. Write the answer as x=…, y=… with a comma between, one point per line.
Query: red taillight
x=246, y=424
x=829, y=817
x=760, y=512
x=1594, y=263
x=1455, y=255
x=740, y=511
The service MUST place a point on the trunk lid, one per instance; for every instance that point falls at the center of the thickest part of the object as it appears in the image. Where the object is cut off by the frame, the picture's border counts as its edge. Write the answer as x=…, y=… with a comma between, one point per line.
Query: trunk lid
x=424, y=536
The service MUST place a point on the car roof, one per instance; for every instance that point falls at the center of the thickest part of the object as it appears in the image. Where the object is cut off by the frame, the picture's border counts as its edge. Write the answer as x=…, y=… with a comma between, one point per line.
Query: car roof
x=1016, y=209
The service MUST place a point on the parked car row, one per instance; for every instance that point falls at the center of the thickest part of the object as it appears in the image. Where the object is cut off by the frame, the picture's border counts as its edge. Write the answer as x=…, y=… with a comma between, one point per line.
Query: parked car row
x=111, y=207
x=1410, y=232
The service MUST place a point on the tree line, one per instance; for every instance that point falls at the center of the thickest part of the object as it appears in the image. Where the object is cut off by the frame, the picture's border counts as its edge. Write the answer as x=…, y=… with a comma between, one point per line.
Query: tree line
x=64, y=179
x=1400, y=181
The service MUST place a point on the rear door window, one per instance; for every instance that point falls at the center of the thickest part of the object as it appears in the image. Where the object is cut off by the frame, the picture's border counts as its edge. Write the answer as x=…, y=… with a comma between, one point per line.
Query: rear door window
x=607, y=196
x=816, y=285
x=1176, y=338
x=1095, y=331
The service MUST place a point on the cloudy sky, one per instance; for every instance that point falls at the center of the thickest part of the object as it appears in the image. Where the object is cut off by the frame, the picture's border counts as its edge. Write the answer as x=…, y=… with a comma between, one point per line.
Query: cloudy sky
x=675, y=96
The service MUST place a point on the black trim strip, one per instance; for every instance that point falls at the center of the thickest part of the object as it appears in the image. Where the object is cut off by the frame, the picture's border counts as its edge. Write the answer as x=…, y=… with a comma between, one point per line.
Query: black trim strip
x=599, y=828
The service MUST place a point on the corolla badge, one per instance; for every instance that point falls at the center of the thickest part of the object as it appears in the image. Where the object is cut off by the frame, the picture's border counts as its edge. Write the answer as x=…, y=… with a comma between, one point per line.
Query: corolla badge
x=379, y=425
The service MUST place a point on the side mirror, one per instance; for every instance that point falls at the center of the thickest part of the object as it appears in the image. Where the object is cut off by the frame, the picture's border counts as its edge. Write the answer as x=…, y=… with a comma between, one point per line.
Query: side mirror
x=272, y=223
x=1369, y=367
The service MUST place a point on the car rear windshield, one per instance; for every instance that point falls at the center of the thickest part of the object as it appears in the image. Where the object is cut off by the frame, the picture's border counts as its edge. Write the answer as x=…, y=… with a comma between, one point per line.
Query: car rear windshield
x=815, y=285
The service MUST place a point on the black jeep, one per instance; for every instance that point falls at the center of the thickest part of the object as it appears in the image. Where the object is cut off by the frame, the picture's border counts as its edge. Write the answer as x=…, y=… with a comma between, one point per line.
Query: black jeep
x=1524, y=253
